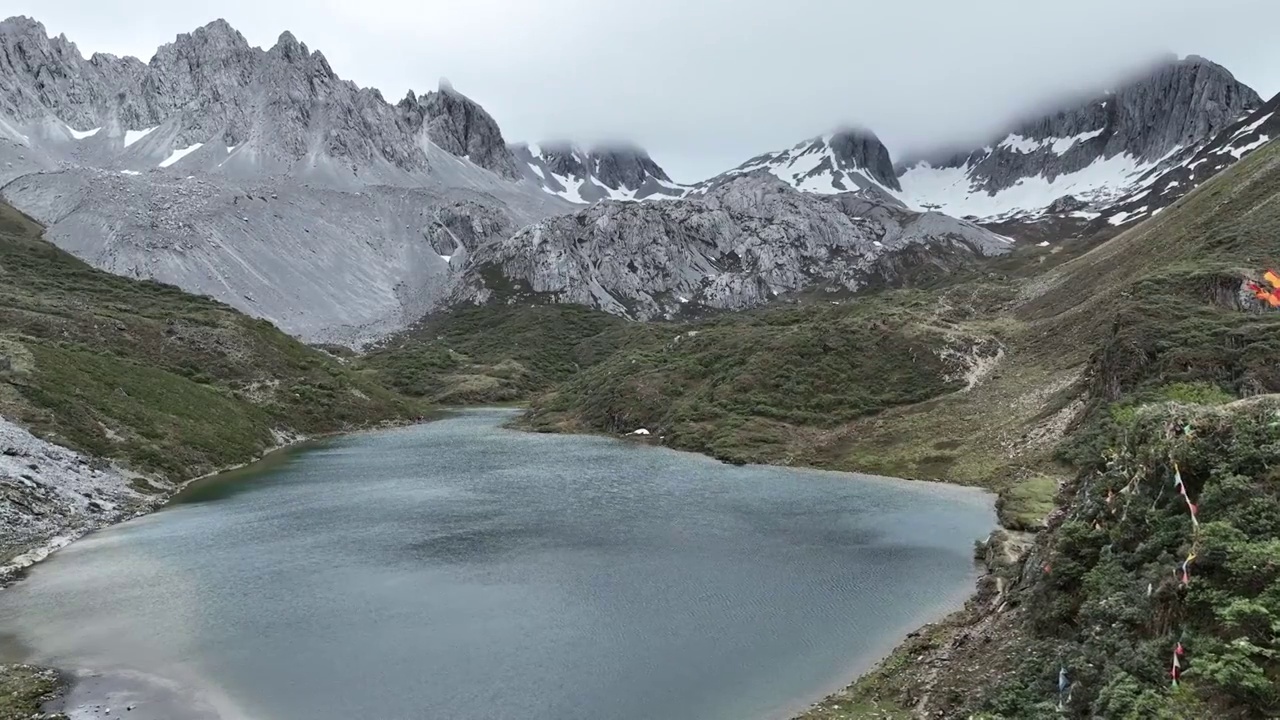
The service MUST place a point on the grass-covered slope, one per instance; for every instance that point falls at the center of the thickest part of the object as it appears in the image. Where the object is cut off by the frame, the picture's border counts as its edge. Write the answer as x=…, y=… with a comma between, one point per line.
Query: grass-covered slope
x=1178, y=370
x=499, y=353
x=749, y=387
x=166, y=382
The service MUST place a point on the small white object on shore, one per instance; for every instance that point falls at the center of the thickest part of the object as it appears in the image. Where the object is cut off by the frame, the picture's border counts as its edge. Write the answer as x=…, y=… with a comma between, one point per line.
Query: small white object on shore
x=639, y=431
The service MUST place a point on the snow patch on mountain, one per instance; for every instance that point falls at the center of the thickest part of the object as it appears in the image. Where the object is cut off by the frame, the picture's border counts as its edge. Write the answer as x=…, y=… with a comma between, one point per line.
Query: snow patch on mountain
x=952, y=189
x=1240, y=151
x=82, y=134
x=180, y=153
x=133, y=136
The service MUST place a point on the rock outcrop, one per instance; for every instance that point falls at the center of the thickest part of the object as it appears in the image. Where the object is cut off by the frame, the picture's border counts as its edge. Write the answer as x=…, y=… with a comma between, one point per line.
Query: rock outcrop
x=749, y=240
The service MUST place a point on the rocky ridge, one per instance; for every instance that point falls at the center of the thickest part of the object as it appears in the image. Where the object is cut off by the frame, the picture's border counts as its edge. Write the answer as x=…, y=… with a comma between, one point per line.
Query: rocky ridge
x=741, y=244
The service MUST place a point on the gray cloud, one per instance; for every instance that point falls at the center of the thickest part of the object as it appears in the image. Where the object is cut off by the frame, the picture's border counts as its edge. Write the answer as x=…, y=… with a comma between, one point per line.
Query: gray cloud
x=705, y=84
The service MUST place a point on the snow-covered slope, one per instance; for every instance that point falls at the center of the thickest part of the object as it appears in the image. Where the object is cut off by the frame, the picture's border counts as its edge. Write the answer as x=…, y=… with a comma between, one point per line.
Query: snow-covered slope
x=1160, y=188
x=255, y=176
x=608, y=172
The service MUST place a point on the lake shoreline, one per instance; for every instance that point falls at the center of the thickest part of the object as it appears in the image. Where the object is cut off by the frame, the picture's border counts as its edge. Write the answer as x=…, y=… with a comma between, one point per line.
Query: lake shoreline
x=49, y=686
x=69, y=683
x=13, y=569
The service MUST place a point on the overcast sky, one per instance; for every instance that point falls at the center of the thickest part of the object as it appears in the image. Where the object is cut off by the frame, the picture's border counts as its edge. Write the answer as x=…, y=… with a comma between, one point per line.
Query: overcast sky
x=706, y=84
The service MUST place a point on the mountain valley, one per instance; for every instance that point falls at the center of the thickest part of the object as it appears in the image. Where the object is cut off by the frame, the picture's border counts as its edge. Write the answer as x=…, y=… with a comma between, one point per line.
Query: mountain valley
x=227, y=249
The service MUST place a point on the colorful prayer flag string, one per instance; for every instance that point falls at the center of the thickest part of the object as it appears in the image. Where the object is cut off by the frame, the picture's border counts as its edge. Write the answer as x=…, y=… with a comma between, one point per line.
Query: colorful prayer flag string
x=1176, y=671
x=1186, y=568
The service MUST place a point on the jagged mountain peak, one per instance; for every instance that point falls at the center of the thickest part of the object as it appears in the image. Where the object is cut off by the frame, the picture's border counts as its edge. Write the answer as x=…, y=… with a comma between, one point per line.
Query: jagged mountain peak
x=218, y=36
x=1172, y=103
x=619, y=164
x=220, y=29
x=216, y=156
x=283, y=110
x=460, y=126
x=288, y=40
x=1089, y=151
x=26, y=25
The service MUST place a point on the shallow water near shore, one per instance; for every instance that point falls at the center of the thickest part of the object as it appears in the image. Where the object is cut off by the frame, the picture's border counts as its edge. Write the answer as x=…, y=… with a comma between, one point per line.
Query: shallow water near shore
x=459, y=570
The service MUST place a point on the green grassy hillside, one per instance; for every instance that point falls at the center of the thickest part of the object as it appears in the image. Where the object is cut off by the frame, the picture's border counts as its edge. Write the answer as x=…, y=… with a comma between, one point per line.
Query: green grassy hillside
x=749, y=387
x=500, y=353
x=166, y=382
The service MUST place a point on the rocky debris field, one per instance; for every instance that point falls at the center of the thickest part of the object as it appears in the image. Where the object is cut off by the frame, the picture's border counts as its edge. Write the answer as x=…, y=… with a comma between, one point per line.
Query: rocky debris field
x=50, y=495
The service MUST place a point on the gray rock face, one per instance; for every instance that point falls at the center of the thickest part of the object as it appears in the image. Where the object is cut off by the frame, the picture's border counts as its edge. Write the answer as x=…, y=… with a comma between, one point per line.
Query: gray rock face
x=38, y=72
x=844, y=161
x=743, y=243
x=460, y=127
x=1162, y=186
x=323, y=264
x=607, y=172
x=862, y=150
x=258, y=177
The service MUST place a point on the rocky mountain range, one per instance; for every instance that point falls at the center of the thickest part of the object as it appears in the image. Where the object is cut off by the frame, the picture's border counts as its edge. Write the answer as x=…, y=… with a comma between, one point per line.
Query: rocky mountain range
x=1085, y=159
x=261, y=178
x=258, y=177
